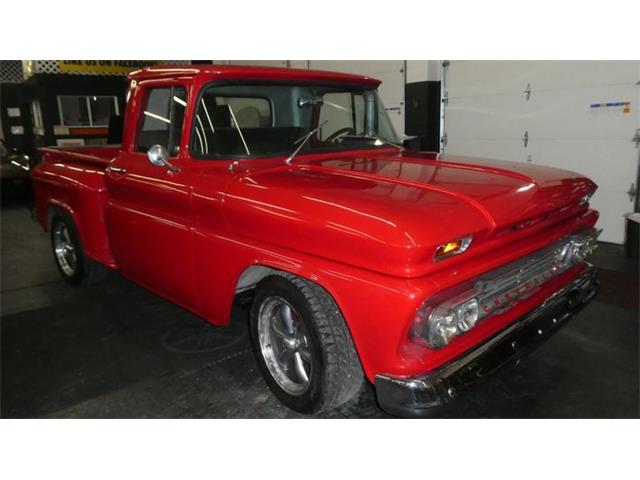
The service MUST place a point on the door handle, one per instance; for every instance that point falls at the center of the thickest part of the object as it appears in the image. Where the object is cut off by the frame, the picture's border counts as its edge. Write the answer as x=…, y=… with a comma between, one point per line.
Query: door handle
x=117, y=170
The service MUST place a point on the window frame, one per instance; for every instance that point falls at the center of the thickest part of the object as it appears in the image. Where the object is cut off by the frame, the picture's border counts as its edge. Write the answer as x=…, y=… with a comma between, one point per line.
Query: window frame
x=146, y=91
x=89, y=112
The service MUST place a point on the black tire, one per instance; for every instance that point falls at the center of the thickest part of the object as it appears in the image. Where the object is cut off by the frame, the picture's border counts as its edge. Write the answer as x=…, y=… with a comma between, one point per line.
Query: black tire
x=336, y=376
x=86, y=271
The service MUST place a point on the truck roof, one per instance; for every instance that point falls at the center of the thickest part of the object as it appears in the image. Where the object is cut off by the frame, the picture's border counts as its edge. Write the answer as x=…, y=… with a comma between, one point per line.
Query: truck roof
x=251, y=72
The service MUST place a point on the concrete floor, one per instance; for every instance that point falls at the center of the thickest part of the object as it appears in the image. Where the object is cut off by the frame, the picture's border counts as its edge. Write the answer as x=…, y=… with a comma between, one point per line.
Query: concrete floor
x=115, y=350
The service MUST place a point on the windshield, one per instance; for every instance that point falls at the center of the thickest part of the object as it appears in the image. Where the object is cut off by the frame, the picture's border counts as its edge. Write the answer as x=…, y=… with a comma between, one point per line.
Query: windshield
x=266, y=120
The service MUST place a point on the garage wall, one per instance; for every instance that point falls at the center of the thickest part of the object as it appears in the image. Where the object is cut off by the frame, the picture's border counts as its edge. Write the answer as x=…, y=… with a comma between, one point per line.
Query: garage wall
x=580, y=116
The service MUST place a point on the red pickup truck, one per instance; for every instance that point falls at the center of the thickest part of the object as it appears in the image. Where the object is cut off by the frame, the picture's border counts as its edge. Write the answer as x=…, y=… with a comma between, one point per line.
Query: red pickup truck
x=420, y=272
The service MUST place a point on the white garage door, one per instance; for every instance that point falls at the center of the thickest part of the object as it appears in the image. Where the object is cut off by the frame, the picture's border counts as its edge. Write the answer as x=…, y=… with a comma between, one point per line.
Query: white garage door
x=580, y=116
x=391, y=72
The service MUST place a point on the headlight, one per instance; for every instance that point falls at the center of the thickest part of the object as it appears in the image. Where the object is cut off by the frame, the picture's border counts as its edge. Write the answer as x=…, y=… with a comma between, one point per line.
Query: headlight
x=467, y=315
x=438, y=326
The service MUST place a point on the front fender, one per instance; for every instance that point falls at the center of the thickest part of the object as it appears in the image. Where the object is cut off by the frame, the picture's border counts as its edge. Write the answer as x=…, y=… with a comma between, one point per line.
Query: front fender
x=376, y=307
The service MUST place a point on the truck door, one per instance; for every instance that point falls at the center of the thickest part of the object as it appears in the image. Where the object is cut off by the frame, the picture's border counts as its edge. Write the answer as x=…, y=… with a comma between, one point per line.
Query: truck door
x=149, y=215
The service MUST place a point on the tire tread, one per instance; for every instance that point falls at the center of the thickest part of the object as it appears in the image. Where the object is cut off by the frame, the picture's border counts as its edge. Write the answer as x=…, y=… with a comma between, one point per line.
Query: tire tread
x=344, y=375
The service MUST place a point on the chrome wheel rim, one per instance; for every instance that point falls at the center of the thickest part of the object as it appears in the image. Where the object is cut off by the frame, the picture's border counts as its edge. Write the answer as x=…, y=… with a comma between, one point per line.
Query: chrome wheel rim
x=64, y=249
x=284, y=344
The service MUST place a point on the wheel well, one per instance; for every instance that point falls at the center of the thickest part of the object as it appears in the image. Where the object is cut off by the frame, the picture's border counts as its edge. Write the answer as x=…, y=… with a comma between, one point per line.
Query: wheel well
x=53, y=211
x=252, y=276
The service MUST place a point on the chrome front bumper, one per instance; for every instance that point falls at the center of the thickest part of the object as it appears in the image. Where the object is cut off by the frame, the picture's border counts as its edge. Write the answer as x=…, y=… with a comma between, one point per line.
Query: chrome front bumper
x=414, y=396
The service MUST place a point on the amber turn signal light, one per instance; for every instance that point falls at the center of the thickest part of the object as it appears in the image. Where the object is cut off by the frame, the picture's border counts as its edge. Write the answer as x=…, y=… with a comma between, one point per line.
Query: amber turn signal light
x=453, y=247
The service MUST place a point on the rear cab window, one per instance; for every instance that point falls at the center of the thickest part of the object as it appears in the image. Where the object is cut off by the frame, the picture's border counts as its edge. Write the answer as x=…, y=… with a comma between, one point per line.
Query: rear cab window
x=218, y=116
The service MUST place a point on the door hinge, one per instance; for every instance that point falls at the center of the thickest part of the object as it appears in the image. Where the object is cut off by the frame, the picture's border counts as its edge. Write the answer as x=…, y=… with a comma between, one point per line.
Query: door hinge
x=632, y=192
x=445, y=139
x=445, y=63
x=445, y=99
x=525, y=138
x=636, y=138
x=527, y=92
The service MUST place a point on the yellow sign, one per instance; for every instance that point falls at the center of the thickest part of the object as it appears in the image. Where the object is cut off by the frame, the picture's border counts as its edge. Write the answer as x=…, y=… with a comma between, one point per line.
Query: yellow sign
x=104, y=66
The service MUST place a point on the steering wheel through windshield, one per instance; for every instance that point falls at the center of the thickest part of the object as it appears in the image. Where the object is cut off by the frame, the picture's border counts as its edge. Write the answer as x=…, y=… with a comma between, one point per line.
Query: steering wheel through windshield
x=343, y=131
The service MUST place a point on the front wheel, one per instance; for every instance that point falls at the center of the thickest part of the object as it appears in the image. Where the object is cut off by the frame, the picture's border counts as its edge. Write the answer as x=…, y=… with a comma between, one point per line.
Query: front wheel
x=302, y=345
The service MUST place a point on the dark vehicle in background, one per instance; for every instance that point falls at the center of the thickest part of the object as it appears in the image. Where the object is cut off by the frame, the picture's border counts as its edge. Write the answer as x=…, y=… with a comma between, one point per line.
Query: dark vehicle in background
x=14, y=172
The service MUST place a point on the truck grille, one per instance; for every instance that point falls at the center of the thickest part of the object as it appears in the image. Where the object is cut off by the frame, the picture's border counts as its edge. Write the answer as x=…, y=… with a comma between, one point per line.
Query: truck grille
x=501, y=288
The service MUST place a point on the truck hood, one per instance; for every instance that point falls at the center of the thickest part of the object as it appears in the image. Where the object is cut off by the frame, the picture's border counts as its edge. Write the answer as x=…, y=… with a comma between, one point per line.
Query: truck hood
x=389, y=211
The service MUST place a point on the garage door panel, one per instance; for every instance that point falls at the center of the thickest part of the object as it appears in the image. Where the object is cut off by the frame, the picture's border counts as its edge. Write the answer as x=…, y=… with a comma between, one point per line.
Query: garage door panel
x=590, y=158
x=611, y=221
x=482, y=78
x=486, y=78
x=509, y=150
x=498, y=117
x=559, y=75
x=569, y=113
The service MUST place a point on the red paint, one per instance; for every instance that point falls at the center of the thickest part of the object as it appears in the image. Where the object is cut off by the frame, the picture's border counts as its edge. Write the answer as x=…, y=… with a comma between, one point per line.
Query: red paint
x=363, y=224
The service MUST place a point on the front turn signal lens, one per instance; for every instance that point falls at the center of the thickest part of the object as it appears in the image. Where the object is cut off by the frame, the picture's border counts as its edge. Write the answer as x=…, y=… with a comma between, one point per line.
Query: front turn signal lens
x=453, y=247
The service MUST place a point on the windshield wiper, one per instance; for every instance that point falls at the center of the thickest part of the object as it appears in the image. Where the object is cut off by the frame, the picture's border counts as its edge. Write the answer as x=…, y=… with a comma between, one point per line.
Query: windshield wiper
x=302, y=141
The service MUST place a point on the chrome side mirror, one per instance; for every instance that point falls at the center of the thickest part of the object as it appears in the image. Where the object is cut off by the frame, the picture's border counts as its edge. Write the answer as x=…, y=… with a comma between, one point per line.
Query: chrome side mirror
x=159, y=156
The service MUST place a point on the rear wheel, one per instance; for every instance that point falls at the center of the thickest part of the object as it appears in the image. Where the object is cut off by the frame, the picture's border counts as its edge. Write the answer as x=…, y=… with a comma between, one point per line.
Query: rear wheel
x=302, y=344
x=71, y=259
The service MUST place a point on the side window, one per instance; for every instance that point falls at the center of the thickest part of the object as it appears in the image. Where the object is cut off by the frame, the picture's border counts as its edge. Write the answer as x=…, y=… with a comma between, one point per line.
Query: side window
x=341, y=110
x=163, y=116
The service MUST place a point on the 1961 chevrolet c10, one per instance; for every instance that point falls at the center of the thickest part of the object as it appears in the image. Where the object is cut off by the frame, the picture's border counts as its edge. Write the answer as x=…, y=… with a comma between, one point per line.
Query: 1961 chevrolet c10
x=420, y=272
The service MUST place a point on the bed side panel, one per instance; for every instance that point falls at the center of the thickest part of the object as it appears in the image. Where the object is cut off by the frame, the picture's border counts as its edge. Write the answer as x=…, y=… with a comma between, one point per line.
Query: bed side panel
x=79, y=188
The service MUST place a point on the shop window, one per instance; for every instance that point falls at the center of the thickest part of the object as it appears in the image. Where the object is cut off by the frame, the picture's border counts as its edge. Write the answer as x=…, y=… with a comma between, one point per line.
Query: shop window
x=86, y=110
